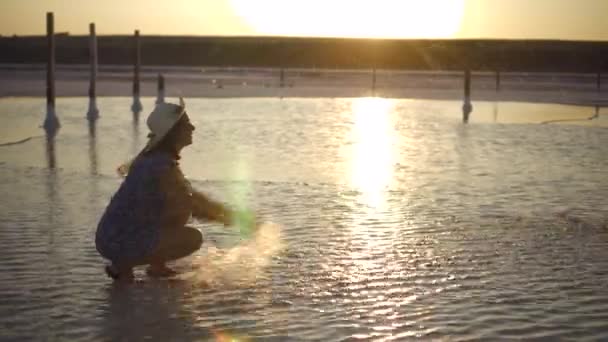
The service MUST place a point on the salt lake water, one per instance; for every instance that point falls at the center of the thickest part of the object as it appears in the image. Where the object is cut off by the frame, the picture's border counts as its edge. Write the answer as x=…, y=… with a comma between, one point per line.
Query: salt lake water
x=396, y=221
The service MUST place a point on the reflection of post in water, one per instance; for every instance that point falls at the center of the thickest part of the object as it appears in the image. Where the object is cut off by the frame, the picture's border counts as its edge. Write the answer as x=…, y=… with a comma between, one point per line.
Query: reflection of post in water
x=136, y=106
x=136, y=120
x=495, y=111
x=51, y=132
x=135, y=131
x=596, y=115
x=160, y=98
x=93, y=145
x=467, y=107
x=93, y=181
x=51, y=187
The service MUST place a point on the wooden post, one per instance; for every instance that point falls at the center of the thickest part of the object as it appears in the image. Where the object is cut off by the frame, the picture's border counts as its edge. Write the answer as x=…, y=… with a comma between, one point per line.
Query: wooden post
x=373, y=59
x=93, y=112
x=497, y=80
x=160, y=98
x=467, y=85
x=136, y=65
x=599, y=81
x=467, y=107
x=50, y=66
x=282, y=54
x=51, y=123
x=136, y=107
x=374, y=81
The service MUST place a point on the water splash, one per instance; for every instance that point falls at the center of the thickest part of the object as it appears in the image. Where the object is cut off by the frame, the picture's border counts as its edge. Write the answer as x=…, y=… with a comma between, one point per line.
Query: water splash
x=241, y=265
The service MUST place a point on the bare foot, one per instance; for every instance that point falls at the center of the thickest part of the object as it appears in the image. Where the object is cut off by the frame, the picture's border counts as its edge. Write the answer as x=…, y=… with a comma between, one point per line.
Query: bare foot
x=123, y=275
x=160, y=271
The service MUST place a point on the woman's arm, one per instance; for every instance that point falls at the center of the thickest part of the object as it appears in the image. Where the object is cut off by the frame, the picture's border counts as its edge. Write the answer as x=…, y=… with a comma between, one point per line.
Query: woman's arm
x=205, y=208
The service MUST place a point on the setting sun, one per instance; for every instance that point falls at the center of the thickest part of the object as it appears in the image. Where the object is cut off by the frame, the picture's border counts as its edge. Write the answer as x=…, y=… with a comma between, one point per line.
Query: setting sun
x=363, y=19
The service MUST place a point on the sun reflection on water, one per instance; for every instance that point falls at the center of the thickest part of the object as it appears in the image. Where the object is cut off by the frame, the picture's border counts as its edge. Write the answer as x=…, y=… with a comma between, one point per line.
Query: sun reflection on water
x=372, y=155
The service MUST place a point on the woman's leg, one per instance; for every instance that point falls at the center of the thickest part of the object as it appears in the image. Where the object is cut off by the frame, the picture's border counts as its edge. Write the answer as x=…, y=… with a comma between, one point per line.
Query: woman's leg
x=175, y=243
x=120, y=272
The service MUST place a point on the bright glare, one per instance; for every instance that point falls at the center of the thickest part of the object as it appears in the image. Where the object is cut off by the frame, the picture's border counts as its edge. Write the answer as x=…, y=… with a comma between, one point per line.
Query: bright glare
x=348, y=18
x=373, y=155
x=371, y=173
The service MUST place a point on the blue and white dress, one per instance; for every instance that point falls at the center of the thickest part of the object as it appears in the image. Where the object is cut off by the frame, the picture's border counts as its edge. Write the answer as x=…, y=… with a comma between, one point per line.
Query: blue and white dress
x=129, y=229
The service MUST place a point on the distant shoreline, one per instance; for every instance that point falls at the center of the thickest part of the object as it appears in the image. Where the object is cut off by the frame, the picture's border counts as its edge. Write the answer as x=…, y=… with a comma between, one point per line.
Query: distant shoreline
x=73, y=81
x=310, y=52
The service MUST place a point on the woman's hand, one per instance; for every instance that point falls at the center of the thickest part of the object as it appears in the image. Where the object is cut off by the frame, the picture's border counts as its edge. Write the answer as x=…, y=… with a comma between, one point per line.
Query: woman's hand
x=245, y=220
x=227, y=217
x=205, y=208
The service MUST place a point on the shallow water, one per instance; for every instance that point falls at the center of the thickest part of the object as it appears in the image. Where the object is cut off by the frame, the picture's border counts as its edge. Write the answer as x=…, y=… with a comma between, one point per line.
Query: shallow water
x=396, y=221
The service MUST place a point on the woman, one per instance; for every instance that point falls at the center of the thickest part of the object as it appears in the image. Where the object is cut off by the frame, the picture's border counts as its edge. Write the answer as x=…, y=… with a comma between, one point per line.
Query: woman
x=145, y=222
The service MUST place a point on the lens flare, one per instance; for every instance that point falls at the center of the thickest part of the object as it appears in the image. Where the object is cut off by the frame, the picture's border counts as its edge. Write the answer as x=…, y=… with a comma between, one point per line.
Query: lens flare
x=240, y=193
x=222, y=336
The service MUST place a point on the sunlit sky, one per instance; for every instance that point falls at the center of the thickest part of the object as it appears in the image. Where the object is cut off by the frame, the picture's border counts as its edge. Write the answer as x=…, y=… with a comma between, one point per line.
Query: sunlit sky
x=514, y=19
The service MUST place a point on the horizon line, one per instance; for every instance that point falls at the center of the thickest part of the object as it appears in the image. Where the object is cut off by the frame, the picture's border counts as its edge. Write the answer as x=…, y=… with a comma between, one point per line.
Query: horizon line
x=68, y=34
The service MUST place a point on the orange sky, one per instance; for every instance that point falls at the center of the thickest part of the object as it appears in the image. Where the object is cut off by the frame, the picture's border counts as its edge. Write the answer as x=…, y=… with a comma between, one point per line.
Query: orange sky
x=527, y=19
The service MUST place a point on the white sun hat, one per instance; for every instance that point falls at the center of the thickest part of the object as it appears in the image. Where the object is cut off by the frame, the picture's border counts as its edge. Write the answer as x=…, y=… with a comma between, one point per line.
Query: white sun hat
x=162, y=119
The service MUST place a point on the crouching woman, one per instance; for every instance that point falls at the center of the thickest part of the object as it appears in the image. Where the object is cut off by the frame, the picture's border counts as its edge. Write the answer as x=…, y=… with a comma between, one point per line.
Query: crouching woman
x=145, y=221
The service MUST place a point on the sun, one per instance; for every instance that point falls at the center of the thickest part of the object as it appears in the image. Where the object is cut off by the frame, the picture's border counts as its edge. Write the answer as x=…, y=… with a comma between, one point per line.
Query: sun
x=351, y=18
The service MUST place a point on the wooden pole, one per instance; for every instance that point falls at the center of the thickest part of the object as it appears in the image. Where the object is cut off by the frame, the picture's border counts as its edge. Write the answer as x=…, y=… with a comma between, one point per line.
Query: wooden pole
x=467, y=107
x=497, y=80
x=136, y=107
x=161, y=89
x=51, y=123
x=467, y=85
x=282, y=53
x=599, y=81
x=50, y=68
x=136, y=65
x=93, y=60
x=93, y=112
x=374, y=81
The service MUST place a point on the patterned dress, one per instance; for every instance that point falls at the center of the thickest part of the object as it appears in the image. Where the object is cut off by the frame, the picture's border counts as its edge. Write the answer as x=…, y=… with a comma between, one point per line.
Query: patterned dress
x=129, y=229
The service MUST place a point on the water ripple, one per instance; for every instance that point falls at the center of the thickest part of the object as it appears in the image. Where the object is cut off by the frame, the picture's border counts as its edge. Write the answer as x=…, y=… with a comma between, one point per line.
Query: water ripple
x=483, y=232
